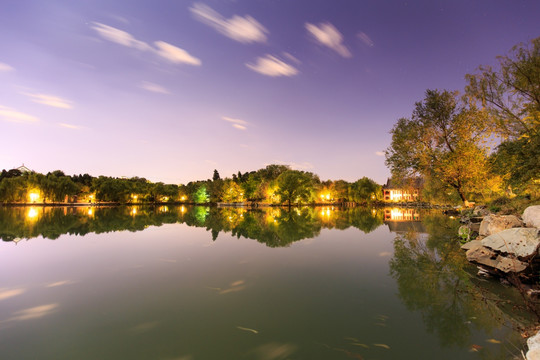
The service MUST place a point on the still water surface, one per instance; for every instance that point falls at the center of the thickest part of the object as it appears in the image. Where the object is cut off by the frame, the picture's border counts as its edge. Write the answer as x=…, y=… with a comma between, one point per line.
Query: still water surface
x=190, y=283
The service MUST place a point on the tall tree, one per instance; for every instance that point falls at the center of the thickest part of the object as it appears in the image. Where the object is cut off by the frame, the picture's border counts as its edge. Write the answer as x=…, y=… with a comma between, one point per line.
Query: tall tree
x=294, y=186
x=216, y=175
x=511, y=95
x=443, y=141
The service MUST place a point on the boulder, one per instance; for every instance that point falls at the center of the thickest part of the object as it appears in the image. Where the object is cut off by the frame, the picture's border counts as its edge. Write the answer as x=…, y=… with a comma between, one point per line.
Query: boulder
x=482, y=255
x=533, y=343
x=493, y=224
x=521, y=242
x=506, y=264
x=531, y=216
x=471, y=244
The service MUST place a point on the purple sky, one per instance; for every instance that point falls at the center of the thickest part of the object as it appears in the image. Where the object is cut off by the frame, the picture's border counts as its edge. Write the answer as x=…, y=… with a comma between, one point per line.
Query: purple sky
x=170, y=90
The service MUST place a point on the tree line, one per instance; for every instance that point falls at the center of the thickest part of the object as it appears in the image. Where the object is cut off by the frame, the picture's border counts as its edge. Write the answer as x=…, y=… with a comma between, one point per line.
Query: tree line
x=274, y=184
x=480, y=144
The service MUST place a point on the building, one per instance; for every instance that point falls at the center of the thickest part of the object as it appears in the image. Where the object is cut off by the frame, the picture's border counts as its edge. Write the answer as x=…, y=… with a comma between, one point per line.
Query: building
x=23, y=169
x=392, y=192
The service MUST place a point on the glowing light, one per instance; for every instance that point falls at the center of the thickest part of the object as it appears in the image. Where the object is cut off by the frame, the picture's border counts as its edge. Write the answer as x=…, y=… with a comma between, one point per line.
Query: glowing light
x=183, y=198
x=32, y=213
x=165, y=198
x=163, y=208
x=90, y=212
x=135, y=197
x=133, y=211
x=34, y=196
x=183, y=209
x=327, y=196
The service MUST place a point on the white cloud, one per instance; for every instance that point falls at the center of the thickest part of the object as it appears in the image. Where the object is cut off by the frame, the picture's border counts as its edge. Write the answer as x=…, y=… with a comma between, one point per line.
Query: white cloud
x=49, y=100
x=365, y=39
x=329, y=36
x=7, y=293
x=243, y=29
x=272, y=66
x=175, y=54
x=236, y=123
x=119, y=36
x=380, y=153
x=164, y=50
x=240, y=127
x=69, y=126
x=6, y=68
x=153, y=87
x=9, y=114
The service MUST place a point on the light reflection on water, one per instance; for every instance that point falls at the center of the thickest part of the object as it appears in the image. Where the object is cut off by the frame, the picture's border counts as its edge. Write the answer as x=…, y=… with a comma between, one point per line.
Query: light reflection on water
x=208, y=283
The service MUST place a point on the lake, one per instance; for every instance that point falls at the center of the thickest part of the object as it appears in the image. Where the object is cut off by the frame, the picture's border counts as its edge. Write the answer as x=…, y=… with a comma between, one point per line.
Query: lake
x=190, y=283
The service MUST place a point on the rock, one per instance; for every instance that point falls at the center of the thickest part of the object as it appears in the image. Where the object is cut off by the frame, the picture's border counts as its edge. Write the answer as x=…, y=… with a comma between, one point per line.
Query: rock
x=471, y=244
x=482, y=255
x=534, y=347
x=531, y=216
x=506, y=264
x=493, y=224
x=521, y=242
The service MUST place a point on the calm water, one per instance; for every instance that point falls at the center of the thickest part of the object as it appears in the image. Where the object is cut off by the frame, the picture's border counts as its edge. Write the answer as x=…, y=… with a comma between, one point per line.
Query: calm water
x=195, y=283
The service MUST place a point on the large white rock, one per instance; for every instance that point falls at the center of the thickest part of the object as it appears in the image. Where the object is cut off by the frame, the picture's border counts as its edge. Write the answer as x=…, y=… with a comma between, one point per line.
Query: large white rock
x=531, y=216
x=493, y=224
x=522, y=242
x=533, y=343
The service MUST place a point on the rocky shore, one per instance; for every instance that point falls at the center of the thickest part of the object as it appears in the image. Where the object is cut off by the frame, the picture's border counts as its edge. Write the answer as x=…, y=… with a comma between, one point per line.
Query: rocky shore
x=507, y=247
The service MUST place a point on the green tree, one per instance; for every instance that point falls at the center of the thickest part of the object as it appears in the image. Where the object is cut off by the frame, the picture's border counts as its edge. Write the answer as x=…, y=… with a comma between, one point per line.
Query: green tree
x=511, y=94
x=232, y=192
x=443, y=141
x=365, y=190
x=294, y=186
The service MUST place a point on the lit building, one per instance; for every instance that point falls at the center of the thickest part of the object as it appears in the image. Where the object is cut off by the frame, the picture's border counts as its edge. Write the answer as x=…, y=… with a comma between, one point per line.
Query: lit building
x=394, y=193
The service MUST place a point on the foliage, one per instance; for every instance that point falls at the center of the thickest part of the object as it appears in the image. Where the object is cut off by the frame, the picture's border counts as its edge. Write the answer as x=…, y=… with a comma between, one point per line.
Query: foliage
x=295, y=186
x=510, y=93
x=443, y=141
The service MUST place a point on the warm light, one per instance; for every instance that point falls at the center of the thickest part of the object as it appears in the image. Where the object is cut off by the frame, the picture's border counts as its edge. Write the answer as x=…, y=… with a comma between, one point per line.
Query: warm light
x=90, y=197
x=32, y=213
x=34, y=196
x=90, y=212
x=327, y=196
x=183, y=209
x=133, y=211
x=163, y=208
x=183, y=198
x=165, y=198
x=135, y=197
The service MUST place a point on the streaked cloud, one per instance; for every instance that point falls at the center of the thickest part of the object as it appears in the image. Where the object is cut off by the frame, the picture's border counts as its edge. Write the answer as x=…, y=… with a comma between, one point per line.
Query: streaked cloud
x=49, y=100
x=7, y=293
x=272, y=66
x=326, y=34
x=175, y=54
x=365, y=39
x=9, y=114
x=6, y=68
x=385, y=254
x=34, y=312
x=146, y=85
x=119, y=36
x=162, y=49
x=236, y=123
x=60, y=283
x=69, y=126
x=380, y=153
x=244, y=29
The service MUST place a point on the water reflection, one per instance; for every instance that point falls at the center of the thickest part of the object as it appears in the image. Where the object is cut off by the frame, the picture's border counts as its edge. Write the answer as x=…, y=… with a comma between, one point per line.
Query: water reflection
x=434, y=278
x=273, y=226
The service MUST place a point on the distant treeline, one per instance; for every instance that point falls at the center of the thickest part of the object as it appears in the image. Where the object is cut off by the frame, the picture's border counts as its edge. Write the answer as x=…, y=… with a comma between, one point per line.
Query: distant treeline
x=274, y=227
x=274, y=184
